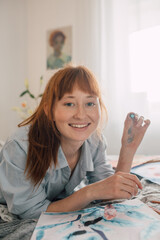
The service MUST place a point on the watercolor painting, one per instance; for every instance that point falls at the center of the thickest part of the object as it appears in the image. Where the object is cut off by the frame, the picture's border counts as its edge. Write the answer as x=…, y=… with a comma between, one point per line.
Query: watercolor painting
x=134, y=220
x=59, y=47
x=150, y=171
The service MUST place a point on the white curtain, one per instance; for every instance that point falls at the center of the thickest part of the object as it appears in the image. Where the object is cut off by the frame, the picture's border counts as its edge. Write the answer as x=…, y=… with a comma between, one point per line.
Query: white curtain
x=122, y=22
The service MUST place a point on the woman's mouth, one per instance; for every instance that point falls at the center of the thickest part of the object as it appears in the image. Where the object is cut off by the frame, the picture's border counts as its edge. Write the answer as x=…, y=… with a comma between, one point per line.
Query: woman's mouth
x=79, y=125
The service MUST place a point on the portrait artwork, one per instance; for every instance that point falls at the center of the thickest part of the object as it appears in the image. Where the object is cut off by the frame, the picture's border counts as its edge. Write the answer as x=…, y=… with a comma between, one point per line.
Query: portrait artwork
x=59, y=47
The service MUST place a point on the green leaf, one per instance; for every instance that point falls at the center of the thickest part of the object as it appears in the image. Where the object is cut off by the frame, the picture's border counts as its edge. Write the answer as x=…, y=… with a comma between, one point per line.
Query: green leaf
x=23, y=93
x=31, y=95
x=40, y=95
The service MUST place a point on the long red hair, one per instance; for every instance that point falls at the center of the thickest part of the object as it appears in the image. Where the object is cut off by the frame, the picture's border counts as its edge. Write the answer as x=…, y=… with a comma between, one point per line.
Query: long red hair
x=44, y=139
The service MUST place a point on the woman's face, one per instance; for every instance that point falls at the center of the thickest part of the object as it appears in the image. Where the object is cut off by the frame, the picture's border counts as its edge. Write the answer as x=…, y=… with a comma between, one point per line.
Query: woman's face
x=58, y=43
x=77, y=115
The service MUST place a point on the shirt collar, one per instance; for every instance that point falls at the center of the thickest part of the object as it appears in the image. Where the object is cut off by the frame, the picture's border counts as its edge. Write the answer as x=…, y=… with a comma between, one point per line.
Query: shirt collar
x=85, y=161
x=62, y=161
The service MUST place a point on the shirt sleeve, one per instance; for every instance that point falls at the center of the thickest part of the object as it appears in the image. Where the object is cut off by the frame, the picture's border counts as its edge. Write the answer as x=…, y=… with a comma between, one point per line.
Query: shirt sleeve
x=21, y=197
x=102, y=168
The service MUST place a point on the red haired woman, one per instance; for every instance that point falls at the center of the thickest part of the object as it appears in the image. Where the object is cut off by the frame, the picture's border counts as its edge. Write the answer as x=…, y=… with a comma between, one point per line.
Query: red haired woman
x=60, y=145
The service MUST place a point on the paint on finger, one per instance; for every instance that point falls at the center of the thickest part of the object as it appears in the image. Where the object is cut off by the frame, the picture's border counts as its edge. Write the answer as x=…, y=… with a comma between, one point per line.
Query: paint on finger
x=130, y=130
x=132, y=116
x=130, y=139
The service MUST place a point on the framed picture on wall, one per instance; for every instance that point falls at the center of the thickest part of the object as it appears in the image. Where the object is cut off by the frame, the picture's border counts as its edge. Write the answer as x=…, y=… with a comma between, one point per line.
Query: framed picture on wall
x=59, y=47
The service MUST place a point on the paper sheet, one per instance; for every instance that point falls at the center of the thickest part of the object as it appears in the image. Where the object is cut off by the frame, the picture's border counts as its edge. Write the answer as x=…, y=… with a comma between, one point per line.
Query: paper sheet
x=150, y=171
x=134, y=221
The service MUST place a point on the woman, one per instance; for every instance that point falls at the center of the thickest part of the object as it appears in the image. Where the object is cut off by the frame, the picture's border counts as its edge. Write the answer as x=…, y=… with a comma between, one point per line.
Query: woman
x=60, y=145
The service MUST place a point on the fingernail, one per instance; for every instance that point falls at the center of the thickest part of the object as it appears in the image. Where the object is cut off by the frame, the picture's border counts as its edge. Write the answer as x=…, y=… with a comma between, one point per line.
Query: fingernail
x=132, y=116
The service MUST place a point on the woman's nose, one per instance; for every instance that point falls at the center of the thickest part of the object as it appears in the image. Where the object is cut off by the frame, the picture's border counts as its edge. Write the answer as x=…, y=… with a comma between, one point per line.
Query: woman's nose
x=80, y=112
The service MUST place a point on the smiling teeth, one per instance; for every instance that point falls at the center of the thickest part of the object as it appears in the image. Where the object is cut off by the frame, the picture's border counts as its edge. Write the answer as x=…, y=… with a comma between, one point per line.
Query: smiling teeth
x=79, y=126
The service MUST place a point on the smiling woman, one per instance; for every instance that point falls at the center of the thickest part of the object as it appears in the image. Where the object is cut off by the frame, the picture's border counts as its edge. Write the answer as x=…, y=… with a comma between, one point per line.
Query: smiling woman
x=76, y=113
x=60, y=145
x=61, y=106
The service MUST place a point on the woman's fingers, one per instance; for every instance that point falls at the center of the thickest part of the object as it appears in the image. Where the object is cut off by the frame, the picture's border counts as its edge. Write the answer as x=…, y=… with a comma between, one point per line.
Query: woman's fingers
x=134, y=119
x=128, y=189
x=118, y=186
x=129, y=185
x=130, y=179
x=125, y=185
x=146, y=123
x=140, y=121
x=126, y=195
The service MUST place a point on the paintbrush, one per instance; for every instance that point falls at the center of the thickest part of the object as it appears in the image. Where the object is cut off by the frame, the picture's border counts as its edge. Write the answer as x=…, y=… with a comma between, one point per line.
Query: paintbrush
x=155, y=209
x=154, y=201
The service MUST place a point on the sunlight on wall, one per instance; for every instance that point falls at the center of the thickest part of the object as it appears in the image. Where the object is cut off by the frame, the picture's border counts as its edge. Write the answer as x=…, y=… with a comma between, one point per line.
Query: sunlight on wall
x=145, y=63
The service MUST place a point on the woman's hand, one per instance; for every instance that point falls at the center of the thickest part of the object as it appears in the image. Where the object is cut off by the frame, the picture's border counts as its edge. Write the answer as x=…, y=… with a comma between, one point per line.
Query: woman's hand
x=119, y=186
x=134, y=130
x=133, y=133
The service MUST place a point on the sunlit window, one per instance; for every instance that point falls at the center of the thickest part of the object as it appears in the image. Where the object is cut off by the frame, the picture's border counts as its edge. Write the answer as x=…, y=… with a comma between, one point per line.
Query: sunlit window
x=145, y=62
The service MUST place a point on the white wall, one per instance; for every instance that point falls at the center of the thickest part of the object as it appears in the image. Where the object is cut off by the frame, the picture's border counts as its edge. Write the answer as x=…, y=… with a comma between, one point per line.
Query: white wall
x=52, y=14
x=13, y=61
x=23, y=25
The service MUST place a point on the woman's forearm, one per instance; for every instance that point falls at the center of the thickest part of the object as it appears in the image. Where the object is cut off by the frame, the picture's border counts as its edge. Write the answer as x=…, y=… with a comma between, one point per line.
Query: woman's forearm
x=125, y=160
x=76, y=201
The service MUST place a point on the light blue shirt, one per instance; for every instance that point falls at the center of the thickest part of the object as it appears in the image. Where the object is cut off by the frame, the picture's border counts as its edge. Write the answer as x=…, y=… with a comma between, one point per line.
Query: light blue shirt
x=28, y=202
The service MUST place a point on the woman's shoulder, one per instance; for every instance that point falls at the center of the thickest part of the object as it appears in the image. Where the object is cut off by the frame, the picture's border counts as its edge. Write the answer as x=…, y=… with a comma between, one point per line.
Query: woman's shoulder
x=20, y=137
x=15, y=149
x=20, y=133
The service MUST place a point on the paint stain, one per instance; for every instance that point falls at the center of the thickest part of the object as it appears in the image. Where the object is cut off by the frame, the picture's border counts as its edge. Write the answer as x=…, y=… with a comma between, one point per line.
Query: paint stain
x=40, y=235
x=92, y=221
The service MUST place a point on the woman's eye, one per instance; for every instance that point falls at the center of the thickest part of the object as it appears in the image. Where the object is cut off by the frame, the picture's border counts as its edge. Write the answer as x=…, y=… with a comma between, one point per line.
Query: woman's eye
x=90, y=104
x=69, y=104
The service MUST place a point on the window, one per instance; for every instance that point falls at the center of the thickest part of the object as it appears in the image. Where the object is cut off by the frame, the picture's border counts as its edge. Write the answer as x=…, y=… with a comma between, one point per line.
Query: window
x=145, y=63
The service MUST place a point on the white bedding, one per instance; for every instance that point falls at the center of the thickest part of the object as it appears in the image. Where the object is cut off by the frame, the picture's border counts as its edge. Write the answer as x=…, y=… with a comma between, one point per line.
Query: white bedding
x=1, y=144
